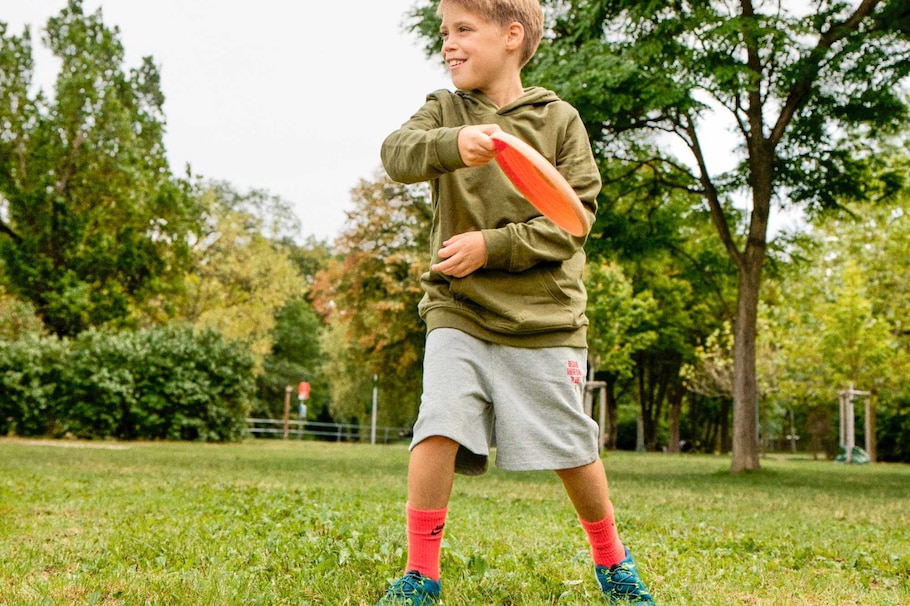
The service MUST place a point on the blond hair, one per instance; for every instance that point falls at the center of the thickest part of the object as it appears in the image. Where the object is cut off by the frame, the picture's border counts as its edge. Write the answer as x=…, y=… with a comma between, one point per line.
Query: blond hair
x=503, y=12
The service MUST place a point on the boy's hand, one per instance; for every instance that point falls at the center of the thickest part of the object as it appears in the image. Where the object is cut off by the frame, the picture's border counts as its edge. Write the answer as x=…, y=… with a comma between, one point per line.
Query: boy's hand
x=462, y=254
x=475, y=145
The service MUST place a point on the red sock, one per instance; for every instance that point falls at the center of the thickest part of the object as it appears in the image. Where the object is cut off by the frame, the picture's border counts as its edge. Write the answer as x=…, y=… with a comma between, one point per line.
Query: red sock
x=425, y=540
x=606, y=548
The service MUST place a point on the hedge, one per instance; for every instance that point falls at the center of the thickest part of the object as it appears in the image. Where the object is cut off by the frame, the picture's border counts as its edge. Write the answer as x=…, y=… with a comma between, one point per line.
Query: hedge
x=163, y=383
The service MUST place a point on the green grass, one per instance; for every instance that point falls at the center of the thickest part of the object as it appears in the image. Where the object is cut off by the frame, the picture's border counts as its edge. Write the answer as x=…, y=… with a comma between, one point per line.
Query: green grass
x=306, y=523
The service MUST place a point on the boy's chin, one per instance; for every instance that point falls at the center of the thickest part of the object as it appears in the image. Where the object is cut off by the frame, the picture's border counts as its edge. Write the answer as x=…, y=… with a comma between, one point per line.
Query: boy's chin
x=463, y=83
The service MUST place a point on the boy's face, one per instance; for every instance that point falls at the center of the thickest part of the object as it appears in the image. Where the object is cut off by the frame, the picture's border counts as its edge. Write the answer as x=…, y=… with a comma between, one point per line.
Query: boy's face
x=475, y=50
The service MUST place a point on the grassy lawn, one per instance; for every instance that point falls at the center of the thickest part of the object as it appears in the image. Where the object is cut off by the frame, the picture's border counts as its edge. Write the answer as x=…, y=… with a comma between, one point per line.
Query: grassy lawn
x=306, y=523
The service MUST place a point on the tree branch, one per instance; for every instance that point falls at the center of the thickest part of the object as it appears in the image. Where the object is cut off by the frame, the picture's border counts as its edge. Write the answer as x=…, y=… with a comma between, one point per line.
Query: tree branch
x=713, y=285
x=6, y=229
x=710, y=194
x=800, y=89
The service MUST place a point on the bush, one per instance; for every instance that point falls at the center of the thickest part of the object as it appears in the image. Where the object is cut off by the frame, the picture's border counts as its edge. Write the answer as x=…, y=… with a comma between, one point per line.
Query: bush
x=30, y=371
x=163, y=383
x=18, y=319
x=893, y=433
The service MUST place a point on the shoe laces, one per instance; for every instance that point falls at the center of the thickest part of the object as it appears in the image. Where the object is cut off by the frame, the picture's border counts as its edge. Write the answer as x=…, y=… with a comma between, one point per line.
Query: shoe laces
x=410, y=585
x=624, y=579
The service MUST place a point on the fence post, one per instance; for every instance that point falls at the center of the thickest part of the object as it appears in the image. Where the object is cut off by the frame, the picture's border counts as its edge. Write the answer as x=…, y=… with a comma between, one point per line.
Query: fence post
x=287, y=410
x=373, y=414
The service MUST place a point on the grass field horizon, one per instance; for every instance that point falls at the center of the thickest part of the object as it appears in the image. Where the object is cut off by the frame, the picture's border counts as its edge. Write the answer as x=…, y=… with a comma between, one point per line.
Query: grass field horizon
x=314, y=523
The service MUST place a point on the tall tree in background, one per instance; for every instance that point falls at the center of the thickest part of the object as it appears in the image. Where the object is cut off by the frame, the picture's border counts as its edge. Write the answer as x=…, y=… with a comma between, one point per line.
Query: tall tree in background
x=296, y=339
x=844, y=319
x=665, y=245
x=805, y=90
x=92, y=222
x=369, y=296
x=239, y=277
x=621, y=324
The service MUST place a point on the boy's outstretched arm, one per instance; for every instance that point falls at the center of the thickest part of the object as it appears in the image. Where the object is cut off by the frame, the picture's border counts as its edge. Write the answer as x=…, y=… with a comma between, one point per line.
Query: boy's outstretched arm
x=422, y=149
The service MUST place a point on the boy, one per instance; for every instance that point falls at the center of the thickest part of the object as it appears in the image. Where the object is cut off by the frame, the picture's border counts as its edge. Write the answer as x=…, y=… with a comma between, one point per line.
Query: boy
x=504, y=300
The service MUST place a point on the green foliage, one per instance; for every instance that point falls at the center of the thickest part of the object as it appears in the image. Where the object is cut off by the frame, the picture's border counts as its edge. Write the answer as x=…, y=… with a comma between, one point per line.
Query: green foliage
x=94, y=222
x=296, y=356
x=165, y=383
x=370, y=299
x=646, y=67
x=838, y=316
x=31, y=379
x=18, y=318
x=666, y=249
x=620, y=321
x=843, y=318
x=711, y=374
x=240, y=275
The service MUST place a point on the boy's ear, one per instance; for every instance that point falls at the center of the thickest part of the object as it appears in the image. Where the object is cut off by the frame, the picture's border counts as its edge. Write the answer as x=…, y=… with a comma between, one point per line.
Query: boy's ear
x=516, y=35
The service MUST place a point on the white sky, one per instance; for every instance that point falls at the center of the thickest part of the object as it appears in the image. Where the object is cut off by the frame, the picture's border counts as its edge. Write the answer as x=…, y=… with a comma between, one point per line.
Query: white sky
x=287, y=96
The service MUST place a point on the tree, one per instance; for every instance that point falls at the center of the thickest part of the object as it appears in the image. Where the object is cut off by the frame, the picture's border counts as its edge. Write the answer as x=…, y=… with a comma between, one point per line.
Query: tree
x=239, y=278
x=296, y=353
x=369, y=296
x=804, y=91
x=621, y=324
x=296, y=356
x=616, y=317
x=845, y=315
x=92, y=223
x=666, y=248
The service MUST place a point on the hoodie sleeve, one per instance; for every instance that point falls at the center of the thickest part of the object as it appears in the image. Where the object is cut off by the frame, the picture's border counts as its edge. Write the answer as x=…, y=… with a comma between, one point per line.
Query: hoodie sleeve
x=520, y=246
x=422, y=149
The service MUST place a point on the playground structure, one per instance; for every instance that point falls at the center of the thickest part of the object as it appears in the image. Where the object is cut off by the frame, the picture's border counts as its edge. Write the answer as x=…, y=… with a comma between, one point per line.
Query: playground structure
x=849, y=451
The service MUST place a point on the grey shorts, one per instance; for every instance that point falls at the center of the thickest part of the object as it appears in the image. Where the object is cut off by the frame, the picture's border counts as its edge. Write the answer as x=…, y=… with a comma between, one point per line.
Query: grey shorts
x=529, y=400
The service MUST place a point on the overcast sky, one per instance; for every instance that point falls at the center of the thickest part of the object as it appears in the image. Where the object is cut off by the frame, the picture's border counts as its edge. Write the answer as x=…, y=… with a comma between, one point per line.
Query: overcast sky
x=291, y=97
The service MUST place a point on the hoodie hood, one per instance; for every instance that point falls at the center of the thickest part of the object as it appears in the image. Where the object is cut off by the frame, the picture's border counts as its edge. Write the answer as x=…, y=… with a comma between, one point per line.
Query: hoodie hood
x=532, y=97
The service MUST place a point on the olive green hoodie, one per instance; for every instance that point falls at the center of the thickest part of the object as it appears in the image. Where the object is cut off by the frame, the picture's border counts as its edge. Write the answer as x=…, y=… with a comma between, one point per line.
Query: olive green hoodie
x=530, y=291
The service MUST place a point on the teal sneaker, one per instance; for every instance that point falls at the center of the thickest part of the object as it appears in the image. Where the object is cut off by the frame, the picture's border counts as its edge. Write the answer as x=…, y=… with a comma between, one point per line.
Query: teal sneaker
x=622, y=584
x=413, y=589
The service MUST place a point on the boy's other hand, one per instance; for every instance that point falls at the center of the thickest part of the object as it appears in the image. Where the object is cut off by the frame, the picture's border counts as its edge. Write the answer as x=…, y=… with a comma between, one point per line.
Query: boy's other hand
x=475, y=145
x=462, y=254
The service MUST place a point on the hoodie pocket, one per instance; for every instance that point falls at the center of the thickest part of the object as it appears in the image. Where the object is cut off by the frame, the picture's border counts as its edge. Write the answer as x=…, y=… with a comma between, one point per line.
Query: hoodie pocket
x=536, y=300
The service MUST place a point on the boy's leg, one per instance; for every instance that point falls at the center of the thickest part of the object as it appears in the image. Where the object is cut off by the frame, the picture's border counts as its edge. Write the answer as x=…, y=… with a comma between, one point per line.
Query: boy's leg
x=431, y=473
x=589, y=492
x=613, y=564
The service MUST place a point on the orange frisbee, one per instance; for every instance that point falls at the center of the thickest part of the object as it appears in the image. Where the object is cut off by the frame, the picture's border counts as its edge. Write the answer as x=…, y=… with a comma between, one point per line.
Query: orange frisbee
x=540, y=183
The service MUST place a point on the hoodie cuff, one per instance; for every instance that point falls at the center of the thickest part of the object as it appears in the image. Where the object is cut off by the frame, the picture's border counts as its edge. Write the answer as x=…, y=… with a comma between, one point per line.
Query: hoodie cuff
x=499, y=248
x=447, y=149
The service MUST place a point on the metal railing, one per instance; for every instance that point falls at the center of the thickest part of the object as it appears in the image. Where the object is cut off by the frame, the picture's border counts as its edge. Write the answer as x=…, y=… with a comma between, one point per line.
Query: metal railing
x=333, y=432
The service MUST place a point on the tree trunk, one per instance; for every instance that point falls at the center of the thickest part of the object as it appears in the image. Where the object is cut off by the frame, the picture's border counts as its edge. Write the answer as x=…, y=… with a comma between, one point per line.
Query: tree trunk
x=745, y=382
x=651, y=412
x=676, y=400
x=612, y=410
x=656, y=373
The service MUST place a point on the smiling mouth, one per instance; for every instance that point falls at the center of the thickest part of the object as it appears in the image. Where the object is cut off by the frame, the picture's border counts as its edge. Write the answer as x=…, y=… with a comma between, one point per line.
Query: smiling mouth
x=455, y=63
